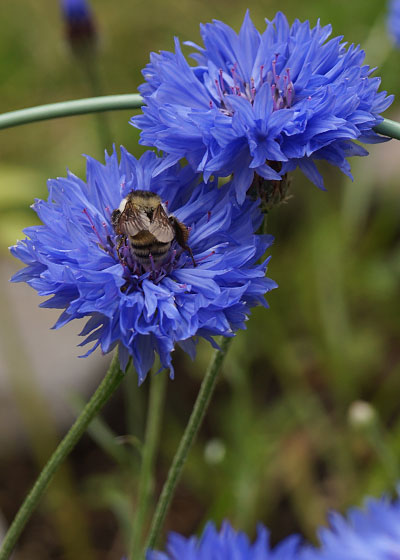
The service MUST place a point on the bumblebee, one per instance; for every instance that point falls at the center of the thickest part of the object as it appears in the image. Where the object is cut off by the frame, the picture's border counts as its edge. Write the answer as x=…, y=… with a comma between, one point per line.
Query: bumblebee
x=142, y=221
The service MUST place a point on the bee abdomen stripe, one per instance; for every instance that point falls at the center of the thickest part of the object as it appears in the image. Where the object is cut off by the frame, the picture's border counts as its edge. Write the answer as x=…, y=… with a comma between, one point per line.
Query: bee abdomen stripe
x=143, y=251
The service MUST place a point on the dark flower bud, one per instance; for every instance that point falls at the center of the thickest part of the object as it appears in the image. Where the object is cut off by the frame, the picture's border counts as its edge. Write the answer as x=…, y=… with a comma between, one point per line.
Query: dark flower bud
x=80, y=25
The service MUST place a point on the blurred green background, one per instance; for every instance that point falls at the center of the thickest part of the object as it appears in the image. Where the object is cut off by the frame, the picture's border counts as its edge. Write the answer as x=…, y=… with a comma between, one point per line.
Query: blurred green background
x=285, y=439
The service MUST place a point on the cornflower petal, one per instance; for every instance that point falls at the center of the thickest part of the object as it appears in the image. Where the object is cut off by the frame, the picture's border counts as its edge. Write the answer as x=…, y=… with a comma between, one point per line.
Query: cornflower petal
x=227, y=544
x=370, y=533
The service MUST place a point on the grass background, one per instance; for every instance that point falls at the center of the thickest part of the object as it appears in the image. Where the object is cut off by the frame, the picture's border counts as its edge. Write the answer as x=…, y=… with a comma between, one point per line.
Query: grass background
x=280, y=444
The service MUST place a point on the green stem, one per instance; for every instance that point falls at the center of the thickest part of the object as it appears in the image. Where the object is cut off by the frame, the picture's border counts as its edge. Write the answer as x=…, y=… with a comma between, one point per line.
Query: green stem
x=388, y=128
x=153, y=425
x=70, y=108
x=116, y=103
x=90, y=66
x=106, y=388
x=192, y=428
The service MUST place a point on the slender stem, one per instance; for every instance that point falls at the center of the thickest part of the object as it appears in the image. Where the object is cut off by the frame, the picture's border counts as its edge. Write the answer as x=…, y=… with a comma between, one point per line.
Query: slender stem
x=389, y=128
x=106, y=388
x=91, y=72
x=116, y=103
x=153, y=425
x=191, y=430
x=70, y=108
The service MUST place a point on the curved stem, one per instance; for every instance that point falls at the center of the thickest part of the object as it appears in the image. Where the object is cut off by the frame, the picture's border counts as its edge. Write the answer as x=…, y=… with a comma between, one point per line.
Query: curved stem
x=114, y=103
x=191, y=430
x=70, y=108
x=106, y=388
x=388, y=128
x=153, y=425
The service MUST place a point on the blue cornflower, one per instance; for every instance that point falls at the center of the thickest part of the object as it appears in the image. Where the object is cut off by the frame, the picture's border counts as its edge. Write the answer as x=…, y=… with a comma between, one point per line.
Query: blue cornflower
x=369, y=534
x=261, y=103
x=393, y=21
x=77, y=258
x=227, y=544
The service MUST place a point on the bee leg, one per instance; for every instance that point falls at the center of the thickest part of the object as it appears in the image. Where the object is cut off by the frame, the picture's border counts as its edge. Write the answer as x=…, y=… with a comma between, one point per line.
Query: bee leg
x=189, y=250
x=121, y=241
x=181, y=236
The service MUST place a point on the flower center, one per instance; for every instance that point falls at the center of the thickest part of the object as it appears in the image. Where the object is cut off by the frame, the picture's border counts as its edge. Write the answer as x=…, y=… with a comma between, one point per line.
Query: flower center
x=282, y=88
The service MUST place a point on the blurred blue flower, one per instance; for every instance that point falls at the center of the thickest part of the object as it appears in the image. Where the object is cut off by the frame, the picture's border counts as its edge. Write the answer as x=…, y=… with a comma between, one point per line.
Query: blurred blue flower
x=75, y=258
x=369, y=534
x=261, y=103
x=227, y=544
x=393, y=21
x=80, y=26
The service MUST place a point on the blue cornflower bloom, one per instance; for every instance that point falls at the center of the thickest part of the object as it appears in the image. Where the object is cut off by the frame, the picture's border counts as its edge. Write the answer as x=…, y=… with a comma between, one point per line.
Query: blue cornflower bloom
x=369, y=534
x=77, y=258
x=261, y=103
x=227, y=544
x=393, y=21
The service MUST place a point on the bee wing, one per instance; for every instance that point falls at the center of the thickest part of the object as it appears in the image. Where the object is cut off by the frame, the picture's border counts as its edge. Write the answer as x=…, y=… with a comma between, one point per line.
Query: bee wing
x=133, y=220
x=160, y=226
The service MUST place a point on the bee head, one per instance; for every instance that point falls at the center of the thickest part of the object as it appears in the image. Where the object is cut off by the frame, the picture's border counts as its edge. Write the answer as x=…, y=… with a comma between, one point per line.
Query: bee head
x=146, y=201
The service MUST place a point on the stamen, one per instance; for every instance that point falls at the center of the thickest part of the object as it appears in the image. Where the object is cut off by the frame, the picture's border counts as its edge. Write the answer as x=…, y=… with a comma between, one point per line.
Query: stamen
x=222, y=82
x=238, y=80
x=275, y=97
x=261, y=74
x=276, y=77
x=205, y=257
x=219, y=91
x=252, y=89
x=289, y=95
x=92, y=225
x=121, y=186
x=282, y=88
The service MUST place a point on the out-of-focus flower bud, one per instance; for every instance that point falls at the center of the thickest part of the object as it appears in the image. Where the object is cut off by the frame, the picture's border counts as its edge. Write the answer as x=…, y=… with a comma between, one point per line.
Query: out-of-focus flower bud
x=80, y=26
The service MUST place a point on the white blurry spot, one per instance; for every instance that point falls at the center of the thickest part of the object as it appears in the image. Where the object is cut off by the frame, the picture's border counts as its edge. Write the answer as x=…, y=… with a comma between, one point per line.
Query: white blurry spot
x=214, y=451
x=122, y=205
x=361, y=414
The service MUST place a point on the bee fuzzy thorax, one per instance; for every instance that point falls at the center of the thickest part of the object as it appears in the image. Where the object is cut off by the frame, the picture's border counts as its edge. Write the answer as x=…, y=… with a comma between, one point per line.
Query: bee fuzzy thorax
x=141, y=200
